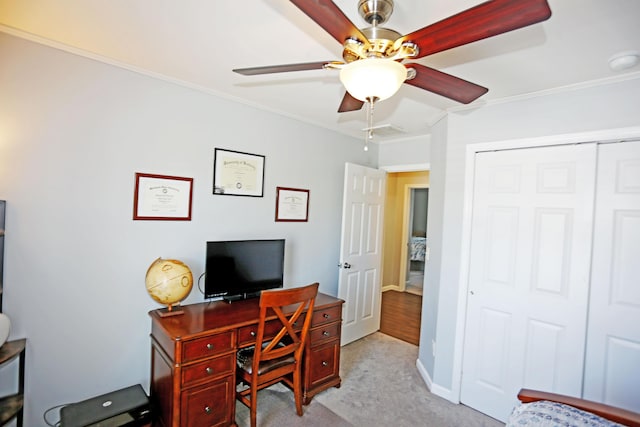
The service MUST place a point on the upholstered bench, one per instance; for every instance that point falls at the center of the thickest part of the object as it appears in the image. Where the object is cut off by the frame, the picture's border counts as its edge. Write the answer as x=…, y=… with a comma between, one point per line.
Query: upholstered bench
x=553, y=414
x=541, y=409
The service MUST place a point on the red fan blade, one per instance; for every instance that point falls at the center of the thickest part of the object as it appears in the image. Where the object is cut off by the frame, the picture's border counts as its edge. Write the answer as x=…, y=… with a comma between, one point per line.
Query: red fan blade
x=480, y=22
x=331, y=19
x=349, y=103
x=269, y=69
x=445, y=84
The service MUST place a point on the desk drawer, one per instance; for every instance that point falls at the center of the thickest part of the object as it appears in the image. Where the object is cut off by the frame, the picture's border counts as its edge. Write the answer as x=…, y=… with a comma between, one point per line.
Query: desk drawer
x=323, y=363
x=207, y=346
x=331, y=314
x=247, y=334
x=324, y=333
x=210, y=405
x=210, y=368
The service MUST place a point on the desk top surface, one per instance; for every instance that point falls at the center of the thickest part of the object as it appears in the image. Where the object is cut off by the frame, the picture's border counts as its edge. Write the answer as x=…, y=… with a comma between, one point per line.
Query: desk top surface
x=219, y=315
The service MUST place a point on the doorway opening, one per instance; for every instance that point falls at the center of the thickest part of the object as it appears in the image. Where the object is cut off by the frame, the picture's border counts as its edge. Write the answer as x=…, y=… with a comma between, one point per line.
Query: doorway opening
x=404, y=254
x=416, y=240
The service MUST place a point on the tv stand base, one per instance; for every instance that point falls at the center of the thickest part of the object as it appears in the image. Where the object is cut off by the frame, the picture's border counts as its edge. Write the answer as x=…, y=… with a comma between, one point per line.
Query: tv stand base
x=240, y=297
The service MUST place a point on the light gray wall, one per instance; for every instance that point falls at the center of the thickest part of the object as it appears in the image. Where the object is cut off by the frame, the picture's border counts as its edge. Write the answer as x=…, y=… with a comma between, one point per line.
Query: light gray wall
x=403, y=153
x=432, y=265
x=73, y=132
x=608, y=106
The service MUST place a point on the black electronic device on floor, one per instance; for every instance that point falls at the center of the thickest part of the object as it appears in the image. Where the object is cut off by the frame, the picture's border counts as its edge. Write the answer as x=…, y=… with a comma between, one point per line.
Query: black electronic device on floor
x=127, y=407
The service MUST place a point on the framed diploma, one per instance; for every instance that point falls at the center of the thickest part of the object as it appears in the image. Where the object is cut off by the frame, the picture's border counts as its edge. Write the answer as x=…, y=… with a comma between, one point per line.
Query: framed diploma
x=292, y=204
x=162, y=197
x=238, y=174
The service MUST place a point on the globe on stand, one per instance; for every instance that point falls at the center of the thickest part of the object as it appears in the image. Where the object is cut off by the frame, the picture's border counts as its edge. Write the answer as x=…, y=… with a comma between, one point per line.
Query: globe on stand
x=169, y=281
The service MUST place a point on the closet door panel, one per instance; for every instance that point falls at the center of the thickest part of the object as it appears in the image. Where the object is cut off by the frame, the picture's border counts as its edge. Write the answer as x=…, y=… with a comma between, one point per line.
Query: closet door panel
x=612, y=363
x=528, y=274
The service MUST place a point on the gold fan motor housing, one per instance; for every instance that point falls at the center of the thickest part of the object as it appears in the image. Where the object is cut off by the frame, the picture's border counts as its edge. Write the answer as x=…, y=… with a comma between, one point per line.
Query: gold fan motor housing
x=381, y=40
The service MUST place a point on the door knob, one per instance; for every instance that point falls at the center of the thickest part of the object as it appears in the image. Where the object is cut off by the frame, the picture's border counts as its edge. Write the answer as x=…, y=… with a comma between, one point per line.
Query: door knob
x=346, y=265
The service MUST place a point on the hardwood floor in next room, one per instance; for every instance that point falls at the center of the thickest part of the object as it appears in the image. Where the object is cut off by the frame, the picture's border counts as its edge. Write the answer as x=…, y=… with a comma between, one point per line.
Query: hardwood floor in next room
x=400, y=315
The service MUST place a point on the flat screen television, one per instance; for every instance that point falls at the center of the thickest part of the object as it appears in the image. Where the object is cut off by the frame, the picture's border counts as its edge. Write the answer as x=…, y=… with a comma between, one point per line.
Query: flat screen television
x=240, y=269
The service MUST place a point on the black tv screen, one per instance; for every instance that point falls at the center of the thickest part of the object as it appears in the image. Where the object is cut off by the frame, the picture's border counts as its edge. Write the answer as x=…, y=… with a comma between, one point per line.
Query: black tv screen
x=238, y=269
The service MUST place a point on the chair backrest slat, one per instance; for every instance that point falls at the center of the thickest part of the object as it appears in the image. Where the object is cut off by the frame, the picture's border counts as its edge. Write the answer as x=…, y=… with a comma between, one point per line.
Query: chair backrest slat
x=287, y=340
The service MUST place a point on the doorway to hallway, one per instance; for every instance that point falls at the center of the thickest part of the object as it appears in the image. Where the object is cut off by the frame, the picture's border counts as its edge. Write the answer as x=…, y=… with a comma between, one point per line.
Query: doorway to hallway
x=404, y=254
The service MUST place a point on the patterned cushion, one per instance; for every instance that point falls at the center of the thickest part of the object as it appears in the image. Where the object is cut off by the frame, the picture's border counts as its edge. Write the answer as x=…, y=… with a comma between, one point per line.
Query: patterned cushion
x=552, y=414
x=245, y=360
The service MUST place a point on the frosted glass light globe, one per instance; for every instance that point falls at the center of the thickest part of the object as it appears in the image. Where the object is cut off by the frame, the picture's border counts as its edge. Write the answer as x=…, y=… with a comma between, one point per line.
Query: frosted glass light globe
x=373, y=78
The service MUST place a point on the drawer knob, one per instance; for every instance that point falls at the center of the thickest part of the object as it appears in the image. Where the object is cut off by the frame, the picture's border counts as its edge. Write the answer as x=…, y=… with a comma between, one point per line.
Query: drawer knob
x=252, y=333
x=209, y=371
x=326, y=333
x=207, y=410
x=209, y=346
x=326, y=316
x=324, y=363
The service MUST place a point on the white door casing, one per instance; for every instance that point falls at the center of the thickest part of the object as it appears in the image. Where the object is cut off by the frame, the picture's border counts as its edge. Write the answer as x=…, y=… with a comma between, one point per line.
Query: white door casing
x=528, y=274
x=612, y=362
x=359, y=283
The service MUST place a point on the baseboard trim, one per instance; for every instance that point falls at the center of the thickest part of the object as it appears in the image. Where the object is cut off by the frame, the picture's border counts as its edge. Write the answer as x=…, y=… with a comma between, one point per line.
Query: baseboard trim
x=436, y=389
x=424, y=374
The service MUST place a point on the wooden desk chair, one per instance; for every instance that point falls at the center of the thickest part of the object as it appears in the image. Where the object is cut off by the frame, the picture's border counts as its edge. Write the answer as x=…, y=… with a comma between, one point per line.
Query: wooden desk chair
x=277, y=359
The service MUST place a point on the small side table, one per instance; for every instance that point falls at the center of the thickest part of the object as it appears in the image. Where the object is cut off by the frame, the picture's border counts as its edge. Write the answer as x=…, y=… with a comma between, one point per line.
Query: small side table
x=13, y=405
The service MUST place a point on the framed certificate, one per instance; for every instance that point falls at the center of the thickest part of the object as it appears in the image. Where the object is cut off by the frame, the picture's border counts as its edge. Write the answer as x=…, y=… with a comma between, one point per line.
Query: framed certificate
x=238, y=174
x=162, y=197
x=292, y=204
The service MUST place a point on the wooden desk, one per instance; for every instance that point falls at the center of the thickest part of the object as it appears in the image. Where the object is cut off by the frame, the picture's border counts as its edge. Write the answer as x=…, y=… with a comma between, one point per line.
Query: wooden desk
x=193, y=358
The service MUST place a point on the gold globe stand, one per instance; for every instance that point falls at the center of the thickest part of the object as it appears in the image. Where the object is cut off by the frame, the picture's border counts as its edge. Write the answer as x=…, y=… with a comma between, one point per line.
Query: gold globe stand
x=170, y=311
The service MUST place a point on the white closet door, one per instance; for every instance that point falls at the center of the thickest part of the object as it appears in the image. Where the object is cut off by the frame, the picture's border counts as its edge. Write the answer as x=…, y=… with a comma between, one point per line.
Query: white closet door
x=612, y=366
x=528, y=274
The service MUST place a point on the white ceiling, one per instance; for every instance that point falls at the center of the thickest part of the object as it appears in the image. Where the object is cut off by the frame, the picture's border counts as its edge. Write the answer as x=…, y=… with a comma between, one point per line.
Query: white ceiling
x=199, y=42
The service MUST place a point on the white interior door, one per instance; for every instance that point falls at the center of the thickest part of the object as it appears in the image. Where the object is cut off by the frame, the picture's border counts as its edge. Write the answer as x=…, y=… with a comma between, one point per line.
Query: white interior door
x=612, y=365
x=359, y=283
x=528, y=274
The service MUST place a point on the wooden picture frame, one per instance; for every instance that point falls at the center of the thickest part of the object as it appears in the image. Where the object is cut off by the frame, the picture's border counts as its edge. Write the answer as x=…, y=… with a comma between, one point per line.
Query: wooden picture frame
x=292, y=204
x=162, y=197
x=238, y=174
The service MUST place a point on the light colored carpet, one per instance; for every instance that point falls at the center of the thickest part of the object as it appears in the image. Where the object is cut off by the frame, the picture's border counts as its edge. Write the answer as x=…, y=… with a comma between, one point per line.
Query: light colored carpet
x=276, y=408
x=381, y=387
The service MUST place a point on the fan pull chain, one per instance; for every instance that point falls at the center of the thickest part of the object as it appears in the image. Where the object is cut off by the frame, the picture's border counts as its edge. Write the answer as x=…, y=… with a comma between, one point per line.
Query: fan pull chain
x=369, y=134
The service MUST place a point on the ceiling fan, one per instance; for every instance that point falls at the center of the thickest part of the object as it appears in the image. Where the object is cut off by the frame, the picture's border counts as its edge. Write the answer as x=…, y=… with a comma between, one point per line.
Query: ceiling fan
x=373, y=67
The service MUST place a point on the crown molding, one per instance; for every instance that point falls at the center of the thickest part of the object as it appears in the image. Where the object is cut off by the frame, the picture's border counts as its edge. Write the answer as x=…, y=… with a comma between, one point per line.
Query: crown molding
x=557, y=90
x=145, y=72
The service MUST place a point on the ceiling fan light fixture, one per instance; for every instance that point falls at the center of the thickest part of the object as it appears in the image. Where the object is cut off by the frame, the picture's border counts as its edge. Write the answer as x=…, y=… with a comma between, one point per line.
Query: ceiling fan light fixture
x=373, y=78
